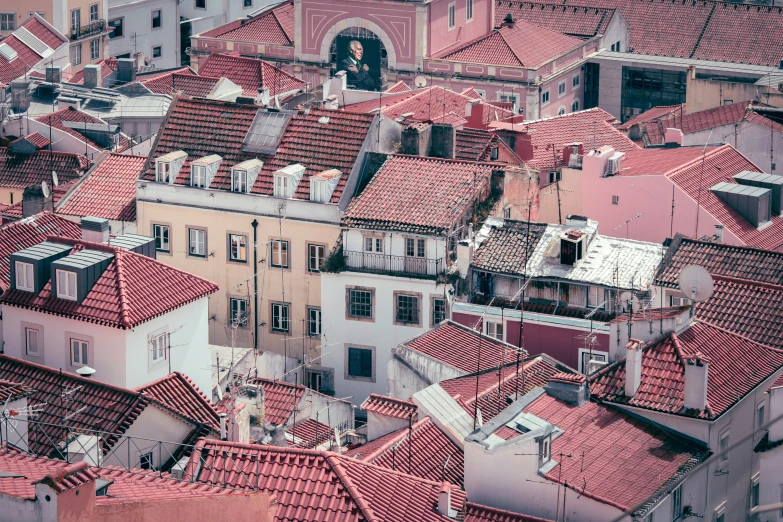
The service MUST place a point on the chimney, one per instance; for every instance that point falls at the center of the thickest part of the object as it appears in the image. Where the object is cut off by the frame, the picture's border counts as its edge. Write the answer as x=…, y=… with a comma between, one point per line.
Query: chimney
x=263, y=96
x=508, y=21
x=92, y=76
x=719, y=232
x=34, y=201
x=443, y=140
x=697, y=367
x=126, y=70
x=332, y=102
x=416, y=139
x=568, y=387
x=633, y=367
x=95, y=229
x=20, y=94
x=673, y=138
x=223, y=429
x=444, y=501
x=571, y=153
x=54, y=73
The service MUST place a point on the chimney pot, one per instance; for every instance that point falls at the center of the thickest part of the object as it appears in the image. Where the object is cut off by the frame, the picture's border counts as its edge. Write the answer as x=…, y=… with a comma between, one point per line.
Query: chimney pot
x=696, y=374
x=719, y=233
x=444, y=501
x=633, y=367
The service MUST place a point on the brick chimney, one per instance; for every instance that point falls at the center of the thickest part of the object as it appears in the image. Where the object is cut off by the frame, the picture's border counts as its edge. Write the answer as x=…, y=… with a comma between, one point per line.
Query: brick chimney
x=34, y=201
x=568, y=387
x=416, y=139
x=443, y=141
x=697, y=367
x=633, y=367
x=92, y=76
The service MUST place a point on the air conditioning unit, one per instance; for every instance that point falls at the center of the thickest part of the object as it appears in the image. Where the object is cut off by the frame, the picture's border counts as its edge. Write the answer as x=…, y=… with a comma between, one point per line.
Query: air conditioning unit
x=613, y=166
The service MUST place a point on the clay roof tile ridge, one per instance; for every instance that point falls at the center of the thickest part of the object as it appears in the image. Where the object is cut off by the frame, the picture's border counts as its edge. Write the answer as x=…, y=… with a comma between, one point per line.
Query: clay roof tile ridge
x=119, y=274
x=389, y=444
x=356, y=495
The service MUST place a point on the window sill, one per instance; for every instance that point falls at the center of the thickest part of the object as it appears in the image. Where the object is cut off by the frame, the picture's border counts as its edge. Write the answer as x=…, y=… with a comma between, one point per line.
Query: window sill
x=359, y=379
x=360, y=319
x=237, y=262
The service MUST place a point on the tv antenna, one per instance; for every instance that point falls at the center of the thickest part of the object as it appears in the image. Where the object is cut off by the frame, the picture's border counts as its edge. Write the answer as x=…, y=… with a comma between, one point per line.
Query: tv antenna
x=45, y=189
x=696, y=283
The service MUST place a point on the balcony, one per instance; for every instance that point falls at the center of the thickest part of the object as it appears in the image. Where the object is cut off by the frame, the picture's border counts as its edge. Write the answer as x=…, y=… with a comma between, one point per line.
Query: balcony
x=372, y=263
x=95, y=28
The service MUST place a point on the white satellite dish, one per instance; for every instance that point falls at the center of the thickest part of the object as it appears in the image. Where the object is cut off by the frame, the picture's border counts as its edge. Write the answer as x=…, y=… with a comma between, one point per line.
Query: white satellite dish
x=45, y=189
x=696, y=283
x=55, y=179
x=420, y=81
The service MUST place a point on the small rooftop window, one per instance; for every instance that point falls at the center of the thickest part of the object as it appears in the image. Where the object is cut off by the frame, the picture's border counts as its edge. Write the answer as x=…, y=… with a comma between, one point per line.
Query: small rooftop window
x=266, y=131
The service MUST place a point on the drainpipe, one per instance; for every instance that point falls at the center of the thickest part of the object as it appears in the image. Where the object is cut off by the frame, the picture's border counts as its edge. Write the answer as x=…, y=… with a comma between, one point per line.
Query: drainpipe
x=255, y=284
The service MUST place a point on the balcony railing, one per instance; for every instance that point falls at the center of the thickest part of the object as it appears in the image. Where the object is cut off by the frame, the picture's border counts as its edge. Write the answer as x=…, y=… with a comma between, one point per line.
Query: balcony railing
x=97, y=27
x=374, y=263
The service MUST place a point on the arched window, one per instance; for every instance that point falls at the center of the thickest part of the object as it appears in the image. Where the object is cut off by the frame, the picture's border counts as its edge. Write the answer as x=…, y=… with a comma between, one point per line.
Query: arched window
x=561, y=111
x=575, y=105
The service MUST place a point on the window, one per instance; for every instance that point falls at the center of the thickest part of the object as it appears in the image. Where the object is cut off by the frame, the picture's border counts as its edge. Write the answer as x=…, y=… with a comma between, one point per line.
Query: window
x=494, y=330
x=201, y=4
x=198, y=242
x=95, y=48
x=545, y=447
x=145, y=461
x=359, y=362
x=24, y=276
x=76, y=54
x=161, y=234
x=66, y=284
x=373, y=244
x=76, y=16
x=588, y=356
x=319, y=191
x=280, y=253
x=79, y=352
x=156, y=18
x=239, y=181
x=360, y=303
x=315, y=257
x=544, y=97
x=561, y=89
x=237, y=248
x=678, y=301
x=723, y=448
x=157, y=51
x=493, y=154
x=561, y=111
x=617, y=46
x=407, y=309
x=238, y=308
x=574, y=105
x=280, y=317
x=754, y=493
x=575, y=81
x=283, y=187
x=198, y=176
x=509, y=98
x=452, y=16
x=158, y=345
x=247, y=3
x=438, y=310
x=728, y=102
x=469, y=10
x=93, y=13
x=7, y=21
x=31, y=341
x=115, y=26
x=677, y=503
x=595, y=295
x=615, y=200
x=163, y=172
x=555, y=175
x=314, y=322
x=414, y=247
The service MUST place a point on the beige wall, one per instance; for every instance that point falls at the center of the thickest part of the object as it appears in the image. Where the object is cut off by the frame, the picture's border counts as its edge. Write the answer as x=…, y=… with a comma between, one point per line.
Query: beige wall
x=22, y=10
x=570, y=196
x=5, y=195
x=302, y=288
x=707, y=94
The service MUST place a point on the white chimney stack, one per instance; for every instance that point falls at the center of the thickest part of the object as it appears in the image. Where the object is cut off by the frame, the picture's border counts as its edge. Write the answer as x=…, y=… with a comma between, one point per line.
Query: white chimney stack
x=223, y=429
x=719, y=233
x=633, y=367
x=696, y=374
x=444, y=501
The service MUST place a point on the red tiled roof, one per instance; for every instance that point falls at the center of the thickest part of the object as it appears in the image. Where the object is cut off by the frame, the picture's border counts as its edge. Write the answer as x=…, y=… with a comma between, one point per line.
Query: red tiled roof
x=389, y=406
x=132, y=290
x=520, y=45
x=38, y=140
x=280, y=400
x=177, y=392
x=28, y=232
x=101, y=406
x=479, y=513
x=109, y=192
x=204, y=127
x=582, y=22
x=430, y=450
x=400, y=86
x=108, y=66
x=738, y=366
x=183, y=81
x=655, y=113
x=15, y=211
x=661, y=161
x=275, y=26
x=506, y=248
x=250, y=74
x=310, y=434
x=23, y=170
x=69, y=477
x=617, y=459
x=697, y=121
x=26, y=59
x=778, y=382
x=457, y=346
x=337, y=488
x=56, y=118
x=473, y=144
x=418, y=194
x=45, y=33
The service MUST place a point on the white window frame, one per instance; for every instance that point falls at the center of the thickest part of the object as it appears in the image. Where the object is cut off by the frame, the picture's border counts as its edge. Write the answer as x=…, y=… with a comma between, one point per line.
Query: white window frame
x=468, y=10
x=755, y=484
x=198, y=235
x=314, y=318
x=158, y=346
x=95, y=48
x=160, y=18
x=597, y=354
x=283, y=250
x=561, y=111
x=111, y=27
x=493, y=331
x=375, y=244
x=284, y=320
x=27, y=280
x=239, y=181
x=76, y=19
x=761, y=413
x=148, y=457
x=283, y=186
x=562, y=90
x=512, y=97
x=9, y=23
x=198, y=176
x=163, y=172
x=76, y=53
x=597, y=299
x=320, y=190
x=677, y=502
x=68, y=290
x=29, y=333
x=241, y=248
x=451, y=16
x=238, y=311
x=81, y=349
x=575, y=105
x=157, y=232
x=445, y=310
x=545, y=94
x=723, y=453
x=320, y=256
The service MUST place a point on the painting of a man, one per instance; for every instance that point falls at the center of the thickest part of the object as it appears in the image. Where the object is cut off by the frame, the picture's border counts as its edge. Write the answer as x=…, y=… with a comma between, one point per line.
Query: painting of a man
x=358, y=73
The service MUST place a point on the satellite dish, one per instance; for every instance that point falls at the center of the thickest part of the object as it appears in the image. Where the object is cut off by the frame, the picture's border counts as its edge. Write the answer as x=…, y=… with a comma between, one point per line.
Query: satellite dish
x=696, y=283
x=55, y=179
x=45, y=189
x=420, y=81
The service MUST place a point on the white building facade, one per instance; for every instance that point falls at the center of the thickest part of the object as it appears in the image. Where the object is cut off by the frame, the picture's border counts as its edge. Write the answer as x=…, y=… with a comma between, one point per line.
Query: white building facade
x=148, y=28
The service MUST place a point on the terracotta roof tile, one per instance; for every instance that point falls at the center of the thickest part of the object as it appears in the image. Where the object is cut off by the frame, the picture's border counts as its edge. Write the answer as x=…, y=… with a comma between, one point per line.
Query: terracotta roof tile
x=474, y=144
x=400, y=86
x=46, y=34
x=38, y=140
x=69, y=477
x=108, y=192
x=23, y=170
x=418, y=194
x=280, y=400
x=56, y=119
x=580, y=21
x=15, y=211
x=660, y=112
x=132, y=290
x=28, y=232
x=389, y=406
x=505, y=249
x=250, y=74
x=26, y=59
x=11, y=391
x=696, y=121
x=520, y=45
x=275, y=26
x=738, y=366
x=177, y=392
x=310, y=434
x=479, y=513
x=181, y=81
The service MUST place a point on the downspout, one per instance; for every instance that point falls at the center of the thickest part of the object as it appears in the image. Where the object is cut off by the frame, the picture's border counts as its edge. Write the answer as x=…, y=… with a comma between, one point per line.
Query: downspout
x=255, y=284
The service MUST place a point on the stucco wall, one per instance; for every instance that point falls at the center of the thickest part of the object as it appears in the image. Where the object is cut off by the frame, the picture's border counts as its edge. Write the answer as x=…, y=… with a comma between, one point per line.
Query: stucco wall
x=137, y=19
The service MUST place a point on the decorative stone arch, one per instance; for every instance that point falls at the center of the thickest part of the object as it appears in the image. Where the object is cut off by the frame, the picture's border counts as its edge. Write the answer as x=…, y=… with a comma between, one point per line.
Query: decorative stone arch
x=331, y=34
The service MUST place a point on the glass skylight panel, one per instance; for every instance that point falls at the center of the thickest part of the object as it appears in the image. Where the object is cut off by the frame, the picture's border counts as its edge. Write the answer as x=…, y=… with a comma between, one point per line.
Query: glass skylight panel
x=266, y=130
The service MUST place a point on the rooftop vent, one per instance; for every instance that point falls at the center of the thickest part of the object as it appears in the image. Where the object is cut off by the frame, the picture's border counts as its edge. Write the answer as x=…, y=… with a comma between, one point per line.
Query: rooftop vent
x=752, y=203
x=7, y=52
x=571, y=247
x=95, y=229
x=770, y=181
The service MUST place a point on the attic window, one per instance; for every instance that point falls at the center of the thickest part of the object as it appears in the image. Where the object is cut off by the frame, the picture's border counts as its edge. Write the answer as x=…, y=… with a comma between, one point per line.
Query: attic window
x=266, y=131
x=493, y=154
x=198, y=176
x=239, y=181
x=66, y=284
x=163, y=172
x=546, y=449
x=320, y=191
x=283, y=186
x=24, y=276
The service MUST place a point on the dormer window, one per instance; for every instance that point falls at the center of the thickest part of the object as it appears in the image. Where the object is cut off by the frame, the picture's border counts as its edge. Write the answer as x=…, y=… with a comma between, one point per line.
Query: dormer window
x=283, y=186
x=66, y=284
x=167, y=166
x=322, y=185
x=163, y=172
x=239, y=181
x=320, y=191
x=545, y=449
x=24, y=277
x=198, y=176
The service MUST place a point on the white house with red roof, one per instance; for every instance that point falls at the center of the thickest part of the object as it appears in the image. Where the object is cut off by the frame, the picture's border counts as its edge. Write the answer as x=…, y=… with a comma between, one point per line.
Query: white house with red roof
x=109, y=306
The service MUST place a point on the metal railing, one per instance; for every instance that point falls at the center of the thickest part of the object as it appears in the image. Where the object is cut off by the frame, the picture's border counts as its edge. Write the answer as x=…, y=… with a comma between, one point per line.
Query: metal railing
x=96, y=27
x=376, y=263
